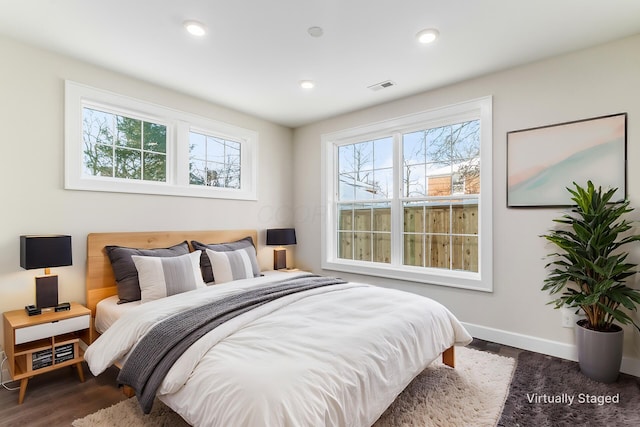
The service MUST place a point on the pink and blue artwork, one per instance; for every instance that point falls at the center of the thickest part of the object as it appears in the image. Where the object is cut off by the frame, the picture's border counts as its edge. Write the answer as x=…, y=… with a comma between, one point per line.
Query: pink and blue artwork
x=542, y=162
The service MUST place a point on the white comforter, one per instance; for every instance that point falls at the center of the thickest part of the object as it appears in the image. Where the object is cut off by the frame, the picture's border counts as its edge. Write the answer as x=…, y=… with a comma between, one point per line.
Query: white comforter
x=334, y=356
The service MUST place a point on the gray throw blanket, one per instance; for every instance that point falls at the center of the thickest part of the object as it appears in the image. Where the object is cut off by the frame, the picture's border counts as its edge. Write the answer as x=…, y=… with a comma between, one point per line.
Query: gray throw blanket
x=159, y=349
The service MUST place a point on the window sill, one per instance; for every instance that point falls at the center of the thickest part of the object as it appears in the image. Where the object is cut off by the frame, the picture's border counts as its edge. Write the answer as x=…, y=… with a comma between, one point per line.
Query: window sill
x=158, y=188
x=454, y=279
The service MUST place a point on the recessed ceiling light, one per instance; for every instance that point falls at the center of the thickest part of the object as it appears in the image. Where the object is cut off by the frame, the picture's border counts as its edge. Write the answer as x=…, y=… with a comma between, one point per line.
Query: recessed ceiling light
x=315, y=31
x=427, y=36
x=195, y=28
x=307, y=84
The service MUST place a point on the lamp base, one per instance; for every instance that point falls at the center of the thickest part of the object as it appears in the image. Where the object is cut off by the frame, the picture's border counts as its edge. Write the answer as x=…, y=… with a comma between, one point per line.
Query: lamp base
x=46, y=291
x=279, y=259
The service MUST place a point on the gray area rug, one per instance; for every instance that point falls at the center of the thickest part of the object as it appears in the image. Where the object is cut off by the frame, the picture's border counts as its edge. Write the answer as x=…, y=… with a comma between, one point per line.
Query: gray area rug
x=472, y=394
x=547, y=391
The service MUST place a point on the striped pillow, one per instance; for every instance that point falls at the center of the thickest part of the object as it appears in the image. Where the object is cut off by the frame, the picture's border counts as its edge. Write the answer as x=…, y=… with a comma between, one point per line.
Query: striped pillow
x=230, y=265
x=161, y=277
x=205, y=263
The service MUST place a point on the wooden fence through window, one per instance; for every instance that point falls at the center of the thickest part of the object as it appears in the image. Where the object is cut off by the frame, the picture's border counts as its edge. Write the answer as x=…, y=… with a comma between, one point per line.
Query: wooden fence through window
x=434, y=236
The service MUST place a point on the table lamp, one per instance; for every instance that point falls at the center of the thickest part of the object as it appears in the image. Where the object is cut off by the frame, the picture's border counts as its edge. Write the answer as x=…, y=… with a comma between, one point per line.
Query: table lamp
x=45, y=251
x=280, y=237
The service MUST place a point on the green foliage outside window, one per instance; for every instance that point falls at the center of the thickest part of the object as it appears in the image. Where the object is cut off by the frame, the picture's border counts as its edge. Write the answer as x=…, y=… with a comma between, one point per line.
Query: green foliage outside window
x=123, y=147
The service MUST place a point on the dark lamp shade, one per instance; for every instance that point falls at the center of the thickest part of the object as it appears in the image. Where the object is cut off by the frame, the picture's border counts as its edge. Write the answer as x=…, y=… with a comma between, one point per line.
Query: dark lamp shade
x=281, y=236
x=45, y=251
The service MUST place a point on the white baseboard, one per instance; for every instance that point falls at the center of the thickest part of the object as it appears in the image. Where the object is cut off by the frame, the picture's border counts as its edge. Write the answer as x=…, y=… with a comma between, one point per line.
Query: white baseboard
x=629, y=366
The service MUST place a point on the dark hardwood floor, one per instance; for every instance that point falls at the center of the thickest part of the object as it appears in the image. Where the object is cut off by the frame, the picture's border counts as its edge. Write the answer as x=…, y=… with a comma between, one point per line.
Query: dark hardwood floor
x=492, y=347
x=57, y=398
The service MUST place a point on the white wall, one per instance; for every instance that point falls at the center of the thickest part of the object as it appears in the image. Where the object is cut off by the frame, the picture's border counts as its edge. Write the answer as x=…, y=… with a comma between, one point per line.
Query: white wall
x=31, y=173
x=594, y=82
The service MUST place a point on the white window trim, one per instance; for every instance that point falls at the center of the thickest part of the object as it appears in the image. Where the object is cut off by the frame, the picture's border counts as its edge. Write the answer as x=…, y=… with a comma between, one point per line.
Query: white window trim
x=482, y=280
x=178, y=124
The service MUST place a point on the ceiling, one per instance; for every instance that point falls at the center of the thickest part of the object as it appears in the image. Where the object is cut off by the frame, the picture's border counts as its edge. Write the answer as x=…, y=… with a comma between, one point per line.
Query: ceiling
x=256, y=52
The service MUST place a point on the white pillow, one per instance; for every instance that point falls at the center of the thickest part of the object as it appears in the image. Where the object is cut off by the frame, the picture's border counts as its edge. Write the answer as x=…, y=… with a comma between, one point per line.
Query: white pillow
x=230, y=265
x=161, y=277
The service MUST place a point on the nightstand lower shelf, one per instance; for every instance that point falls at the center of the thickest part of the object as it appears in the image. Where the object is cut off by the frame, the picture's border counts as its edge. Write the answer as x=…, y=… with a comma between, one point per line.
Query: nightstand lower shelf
x=43, y=343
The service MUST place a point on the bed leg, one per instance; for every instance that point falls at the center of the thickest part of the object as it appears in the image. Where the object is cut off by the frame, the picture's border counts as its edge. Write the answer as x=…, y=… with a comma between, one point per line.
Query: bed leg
x=128, y=391
x=448, y=357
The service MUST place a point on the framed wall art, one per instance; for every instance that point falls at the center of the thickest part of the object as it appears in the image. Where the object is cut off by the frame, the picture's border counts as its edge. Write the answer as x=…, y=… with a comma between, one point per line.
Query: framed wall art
x=542, y=162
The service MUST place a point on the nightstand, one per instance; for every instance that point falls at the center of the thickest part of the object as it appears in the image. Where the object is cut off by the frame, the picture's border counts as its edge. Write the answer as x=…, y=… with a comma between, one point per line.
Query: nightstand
x=45, y=342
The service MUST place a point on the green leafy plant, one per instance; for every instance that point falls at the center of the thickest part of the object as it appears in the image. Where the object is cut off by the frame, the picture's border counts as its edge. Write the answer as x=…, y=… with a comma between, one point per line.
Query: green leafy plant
x=589, y=269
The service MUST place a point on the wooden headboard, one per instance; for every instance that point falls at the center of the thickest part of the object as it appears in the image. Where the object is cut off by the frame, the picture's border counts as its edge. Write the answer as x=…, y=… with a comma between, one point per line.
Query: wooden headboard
x=100, y=281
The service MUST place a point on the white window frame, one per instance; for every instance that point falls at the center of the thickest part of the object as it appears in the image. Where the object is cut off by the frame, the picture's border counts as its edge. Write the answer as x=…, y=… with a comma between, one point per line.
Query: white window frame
x=178, y=124
x=471, y=110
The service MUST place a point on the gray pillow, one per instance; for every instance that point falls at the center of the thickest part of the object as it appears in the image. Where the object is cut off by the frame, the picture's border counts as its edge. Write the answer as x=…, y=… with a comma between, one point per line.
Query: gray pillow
x=125, y=271
x=161, y=277
x=205, y=262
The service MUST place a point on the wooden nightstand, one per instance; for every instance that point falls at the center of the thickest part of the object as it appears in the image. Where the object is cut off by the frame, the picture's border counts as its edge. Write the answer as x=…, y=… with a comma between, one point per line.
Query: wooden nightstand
x=45, y=342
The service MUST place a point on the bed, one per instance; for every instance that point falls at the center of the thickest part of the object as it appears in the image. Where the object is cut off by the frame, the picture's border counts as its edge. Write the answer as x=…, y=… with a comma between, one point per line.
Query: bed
x=336, y=354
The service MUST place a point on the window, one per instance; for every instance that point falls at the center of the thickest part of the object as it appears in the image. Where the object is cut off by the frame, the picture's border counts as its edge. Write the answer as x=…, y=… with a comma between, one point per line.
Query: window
x=441, y=183
x=123, y=147
x=115, y=143
x=214, y=161
x=410, y=198
x=365, y=188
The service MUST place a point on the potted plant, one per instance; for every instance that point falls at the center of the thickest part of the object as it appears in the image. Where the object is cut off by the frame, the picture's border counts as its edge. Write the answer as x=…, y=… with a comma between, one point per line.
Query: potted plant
x=589, y=271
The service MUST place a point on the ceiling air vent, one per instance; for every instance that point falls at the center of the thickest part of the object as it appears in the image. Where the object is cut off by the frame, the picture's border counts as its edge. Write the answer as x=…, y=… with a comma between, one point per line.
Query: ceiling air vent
x=382, y=85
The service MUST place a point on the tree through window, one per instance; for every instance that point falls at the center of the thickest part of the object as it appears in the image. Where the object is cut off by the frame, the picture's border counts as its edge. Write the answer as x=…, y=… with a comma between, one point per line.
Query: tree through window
x=117, y=143
x=410, y=197
x=118, y=146
x=441, y=169
x=214, y=161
